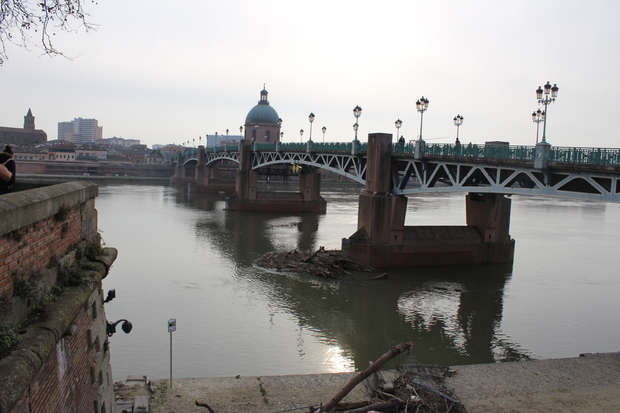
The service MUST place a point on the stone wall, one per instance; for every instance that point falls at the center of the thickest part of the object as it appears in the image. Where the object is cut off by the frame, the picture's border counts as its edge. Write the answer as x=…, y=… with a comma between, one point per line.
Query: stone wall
x=50, y=295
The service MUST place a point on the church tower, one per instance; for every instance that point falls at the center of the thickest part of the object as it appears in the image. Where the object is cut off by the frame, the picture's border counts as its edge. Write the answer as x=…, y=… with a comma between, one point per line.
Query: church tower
x=29, y=121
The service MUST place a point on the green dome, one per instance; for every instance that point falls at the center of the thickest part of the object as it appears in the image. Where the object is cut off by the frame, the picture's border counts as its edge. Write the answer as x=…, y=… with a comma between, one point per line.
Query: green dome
x=262, y=113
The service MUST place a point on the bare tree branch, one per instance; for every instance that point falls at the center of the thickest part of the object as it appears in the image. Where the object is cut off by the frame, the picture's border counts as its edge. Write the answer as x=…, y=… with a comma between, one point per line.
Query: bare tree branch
x=20, y=18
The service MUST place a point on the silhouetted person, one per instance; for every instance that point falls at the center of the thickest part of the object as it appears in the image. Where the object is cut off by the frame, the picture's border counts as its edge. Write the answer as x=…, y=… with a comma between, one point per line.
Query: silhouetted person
x=6, y=158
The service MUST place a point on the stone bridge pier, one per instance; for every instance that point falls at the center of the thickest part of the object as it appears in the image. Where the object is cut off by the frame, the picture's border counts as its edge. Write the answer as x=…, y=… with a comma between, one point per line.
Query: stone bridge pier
x=182, y=174
x=383, y=240
x=247, y=197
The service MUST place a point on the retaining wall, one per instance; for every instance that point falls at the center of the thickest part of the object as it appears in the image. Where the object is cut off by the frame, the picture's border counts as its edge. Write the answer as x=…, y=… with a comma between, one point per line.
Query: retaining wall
x=62, y=361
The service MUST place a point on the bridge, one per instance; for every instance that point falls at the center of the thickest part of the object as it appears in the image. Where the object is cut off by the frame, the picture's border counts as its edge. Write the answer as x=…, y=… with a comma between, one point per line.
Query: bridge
x=389, y=171
x=574, y=172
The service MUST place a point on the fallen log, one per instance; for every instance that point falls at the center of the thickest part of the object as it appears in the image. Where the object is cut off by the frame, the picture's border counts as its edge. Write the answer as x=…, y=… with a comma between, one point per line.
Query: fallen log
x=364, y=374
x=311, y=257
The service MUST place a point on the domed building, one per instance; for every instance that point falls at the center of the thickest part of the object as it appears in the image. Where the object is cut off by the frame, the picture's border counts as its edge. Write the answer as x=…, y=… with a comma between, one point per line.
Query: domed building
x=262, y=124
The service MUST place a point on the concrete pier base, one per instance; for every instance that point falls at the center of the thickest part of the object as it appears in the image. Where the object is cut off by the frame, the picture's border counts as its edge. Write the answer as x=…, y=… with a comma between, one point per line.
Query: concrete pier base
x=247, y=197
x=382, y=240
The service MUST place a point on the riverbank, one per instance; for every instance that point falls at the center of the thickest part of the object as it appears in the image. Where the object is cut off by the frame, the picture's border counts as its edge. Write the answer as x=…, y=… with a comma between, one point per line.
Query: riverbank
x=588, y=383
x=29, y=181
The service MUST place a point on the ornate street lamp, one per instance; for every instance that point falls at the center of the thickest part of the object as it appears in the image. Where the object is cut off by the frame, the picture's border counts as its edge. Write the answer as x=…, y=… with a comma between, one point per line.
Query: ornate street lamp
x=281, y=136
x=226, y=132
x=421, y=106
x=311, y=119
x=538, y=117
x=550, y=94
x=241, y=132
x=458, y=121
x=398, y=124
x=323, y=129
x=357, y=112
x=301, y=135
x=255, y=133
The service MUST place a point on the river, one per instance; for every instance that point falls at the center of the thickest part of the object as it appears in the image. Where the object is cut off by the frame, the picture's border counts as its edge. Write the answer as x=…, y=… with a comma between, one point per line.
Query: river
x=181, y=255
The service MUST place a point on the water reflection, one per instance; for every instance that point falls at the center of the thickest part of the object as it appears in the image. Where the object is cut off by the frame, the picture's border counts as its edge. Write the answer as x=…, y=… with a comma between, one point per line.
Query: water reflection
x=453, y=315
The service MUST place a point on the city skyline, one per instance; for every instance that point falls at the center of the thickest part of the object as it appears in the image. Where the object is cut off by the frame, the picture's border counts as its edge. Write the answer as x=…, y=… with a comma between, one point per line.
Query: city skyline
x=164, y=77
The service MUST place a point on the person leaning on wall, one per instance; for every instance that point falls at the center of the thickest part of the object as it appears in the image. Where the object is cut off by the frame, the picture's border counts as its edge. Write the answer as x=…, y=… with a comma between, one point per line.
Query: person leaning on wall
x=6, y=159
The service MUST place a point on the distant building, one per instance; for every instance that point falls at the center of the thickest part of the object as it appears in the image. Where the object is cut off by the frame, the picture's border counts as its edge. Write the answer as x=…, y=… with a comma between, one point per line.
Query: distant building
x=221, y=140
x=80, y=130
x=30, y=153
x=90, y=153
x=28, y=135
x=120, y=142
x=62, y=152
x=137, y=156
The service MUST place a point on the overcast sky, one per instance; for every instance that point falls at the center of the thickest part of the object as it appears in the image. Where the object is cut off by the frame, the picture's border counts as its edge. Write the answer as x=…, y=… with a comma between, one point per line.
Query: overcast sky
x=169, y=72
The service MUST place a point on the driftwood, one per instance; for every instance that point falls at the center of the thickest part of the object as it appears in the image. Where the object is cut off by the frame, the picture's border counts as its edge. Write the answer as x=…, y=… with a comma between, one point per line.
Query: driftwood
x=322, y=263
x=201, y=404
x=364, y=374
x=380, y=276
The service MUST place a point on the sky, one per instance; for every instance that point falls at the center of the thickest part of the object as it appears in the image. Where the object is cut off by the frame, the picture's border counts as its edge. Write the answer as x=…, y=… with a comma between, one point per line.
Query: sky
x=171, y=72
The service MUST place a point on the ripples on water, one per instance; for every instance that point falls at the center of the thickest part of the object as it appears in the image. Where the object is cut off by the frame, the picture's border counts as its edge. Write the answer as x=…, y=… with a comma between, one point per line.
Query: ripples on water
x=182, y=256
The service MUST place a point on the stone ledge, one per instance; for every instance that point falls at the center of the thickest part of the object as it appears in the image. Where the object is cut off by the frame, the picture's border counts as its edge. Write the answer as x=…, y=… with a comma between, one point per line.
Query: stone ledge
x=19, y=209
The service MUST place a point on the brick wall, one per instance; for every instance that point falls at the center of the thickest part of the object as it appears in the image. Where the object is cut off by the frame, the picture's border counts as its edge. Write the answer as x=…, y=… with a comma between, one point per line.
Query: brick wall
x=62, y=363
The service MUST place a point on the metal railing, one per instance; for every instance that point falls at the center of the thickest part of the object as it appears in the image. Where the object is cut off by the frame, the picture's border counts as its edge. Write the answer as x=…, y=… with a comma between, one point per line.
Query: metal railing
x=575, y=155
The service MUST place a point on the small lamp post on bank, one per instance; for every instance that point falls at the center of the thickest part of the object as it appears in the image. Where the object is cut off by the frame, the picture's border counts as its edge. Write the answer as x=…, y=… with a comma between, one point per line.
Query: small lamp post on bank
x=323, y=129
x=172, y=326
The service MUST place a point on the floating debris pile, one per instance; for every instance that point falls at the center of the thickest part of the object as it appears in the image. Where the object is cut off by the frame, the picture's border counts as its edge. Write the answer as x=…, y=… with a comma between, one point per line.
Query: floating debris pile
x=322, y=263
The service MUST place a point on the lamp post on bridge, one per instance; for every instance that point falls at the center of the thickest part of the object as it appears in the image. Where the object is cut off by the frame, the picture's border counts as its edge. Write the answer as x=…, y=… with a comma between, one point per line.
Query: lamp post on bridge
x=241, y=132
x=458, y=121
x=280, y=127
x=550, y=94
x=301, y=135
x=538, y=117
x=421, y=106
x=323, y=129
x=543, y=149
x=311, y=119
x=357, y=112
x=398, y=124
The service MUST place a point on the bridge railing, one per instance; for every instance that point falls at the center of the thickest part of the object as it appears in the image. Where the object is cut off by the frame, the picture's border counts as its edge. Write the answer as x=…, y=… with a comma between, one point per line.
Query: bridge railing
x=227, y=148
x=590, y=156
x=477, y=151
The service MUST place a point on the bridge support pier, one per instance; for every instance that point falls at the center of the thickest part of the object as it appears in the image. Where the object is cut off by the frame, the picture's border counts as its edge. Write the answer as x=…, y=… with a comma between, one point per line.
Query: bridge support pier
x=180, y=172
x=248, y=198
x=383, y=240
